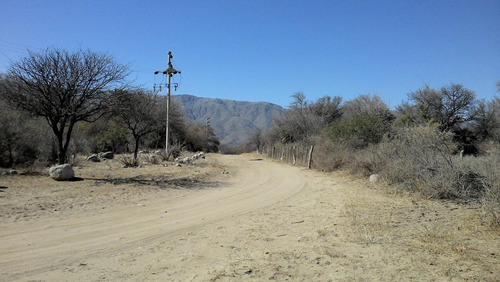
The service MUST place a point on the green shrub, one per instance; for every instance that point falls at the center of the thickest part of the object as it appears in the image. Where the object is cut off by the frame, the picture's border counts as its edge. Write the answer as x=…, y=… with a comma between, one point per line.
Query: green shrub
x=359, y=131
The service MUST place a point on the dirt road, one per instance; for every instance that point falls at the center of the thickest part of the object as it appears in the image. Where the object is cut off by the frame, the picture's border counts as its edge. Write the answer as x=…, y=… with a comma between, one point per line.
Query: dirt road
x=263, y=220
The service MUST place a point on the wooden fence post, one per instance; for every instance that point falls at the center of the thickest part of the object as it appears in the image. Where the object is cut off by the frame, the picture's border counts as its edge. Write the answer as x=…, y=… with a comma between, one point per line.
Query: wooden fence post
x=309, y=161
x=293, y=155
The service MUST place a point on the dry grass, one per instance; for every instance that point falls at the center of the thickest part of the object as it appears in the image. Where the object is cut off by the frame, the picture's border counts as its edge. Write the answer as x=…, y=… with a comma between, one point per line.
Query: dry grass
x=431, y=233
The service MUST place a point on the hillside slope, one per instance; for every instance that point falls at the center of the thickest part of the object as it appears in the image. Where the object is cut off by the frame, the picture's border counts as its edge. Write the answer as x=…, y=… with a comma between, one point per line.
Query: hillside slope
x=233, y=121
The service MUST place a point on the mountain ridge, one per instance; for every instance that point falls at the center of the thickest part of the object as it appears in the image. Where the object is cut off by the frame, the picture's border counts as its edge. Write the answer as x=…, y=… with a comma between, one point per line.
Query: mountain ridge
x=233, y=121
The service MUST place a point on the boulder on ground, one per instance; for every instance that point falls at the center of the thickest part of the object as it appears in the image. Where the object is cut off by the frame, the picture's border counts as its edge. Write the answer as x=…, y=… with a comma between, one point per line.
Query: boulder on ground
x=62, y=172
x=153, y=158
x=93, y=158
x=107, y=155
x=191, y=159
x=374, y=178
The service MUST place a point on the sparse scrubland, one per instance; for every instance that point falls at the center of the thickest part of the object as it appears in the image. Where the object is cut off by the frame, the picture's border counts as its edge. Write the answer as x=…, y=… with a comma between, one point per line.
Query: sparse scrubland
x=440, y=144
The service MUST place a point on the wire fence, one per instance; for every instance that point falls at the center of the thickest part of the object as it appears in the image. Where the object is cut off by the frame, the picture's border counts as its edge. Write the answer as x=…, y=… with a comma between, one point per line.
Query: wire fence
x=300, y=155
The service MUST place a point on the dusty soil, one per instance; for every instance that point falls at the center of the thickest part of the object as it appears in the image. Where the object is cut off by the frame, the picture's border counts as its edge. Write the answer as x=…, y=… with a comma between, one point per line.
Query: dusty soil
x=233, y=218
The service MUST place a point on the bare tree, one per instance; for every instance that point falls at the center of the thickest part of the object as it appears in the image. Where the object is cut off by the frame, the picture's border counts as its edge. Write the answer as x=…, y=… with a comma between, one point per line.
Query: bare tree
x=255, y=141
x=304, y=119
x=366, y=105
x=486, y=122
x=458, y=105
x=450, y=107
x=64, y=88
x=299, y=101
x=327, y=108
x=140, y=112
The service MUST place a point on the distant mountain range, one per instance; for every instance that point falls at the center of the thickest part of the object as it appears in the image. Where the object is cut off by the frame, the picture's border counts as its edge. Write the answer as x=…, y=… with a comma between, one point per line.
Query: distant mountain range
x=232, y=121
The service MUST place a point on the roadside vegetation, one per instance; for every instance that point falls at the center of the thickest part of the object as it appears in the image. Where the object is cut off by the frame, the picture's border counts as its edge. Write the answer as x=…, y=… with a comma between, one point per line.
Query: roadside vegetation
x=439, y=143
x=56, y=104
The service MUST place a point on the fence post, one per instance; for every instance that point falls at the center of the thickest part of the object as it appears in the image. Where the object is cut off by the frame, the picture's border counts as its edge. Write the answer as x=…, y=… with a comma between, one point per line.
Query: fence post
x=294, y=160
x=310, y=157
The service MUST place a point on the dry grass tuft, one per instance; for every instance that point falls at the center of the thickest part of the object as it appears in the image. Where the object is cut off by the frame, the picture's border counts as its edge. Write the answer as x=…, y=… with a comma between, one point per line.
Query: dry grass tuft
x=127, y=160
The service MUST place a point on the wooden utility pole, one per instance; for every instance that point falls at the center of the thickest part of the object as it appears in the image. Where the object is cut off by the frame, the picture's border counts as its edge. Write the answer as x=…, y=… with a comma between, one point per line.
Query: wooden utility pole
x=170, y=71
x=206, y=131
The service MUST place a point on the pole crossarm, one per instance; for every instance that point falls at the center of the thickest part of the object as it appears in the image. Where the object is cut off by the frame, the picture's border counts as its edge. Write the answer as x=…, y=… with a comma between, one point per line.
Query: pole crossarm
x=170, y=69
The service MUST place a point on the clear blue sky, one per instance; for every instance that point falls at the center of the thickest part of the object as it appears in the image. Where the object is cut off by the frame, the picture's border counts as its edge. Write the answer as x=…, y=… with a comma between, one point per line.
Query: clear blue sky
x=266, y=50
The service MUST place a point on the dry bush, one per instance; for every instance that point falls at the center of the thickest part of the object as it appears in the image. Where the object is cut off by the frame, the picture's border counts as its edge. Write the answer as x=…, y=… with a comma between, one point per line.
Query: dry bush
x=487, y=169
x=127, y=160
x=175, y=150
x=369, y=160
x=420, y=160
x=330, y=156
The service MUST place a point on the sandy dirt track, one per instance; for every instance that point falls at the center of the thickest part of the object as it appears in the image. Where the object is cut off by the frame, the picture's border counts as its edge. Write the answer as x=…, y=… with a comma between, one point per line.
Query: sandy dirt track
x=263, y=220
x=47, y=245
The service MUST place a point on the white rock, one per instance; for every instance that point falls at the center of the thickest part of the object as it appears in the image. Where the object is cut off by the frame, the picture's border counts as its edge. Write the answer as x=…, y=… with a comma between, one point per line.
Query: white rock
x=374, y=178
x=107, y=155
x=62, y=172
x=152, y=158
x=93, y=158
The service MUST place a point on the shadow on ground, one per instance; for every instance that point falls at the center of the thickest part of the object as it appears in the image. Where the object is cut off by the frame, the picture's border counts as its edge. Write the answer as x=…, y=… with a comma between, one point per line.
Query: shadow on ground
x=177, y=183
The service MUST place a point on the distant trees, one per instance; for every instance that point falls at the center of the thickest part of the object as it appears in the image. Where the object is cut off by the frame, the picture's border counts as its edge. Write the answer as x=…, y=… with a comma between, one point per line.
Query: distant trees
x=304, y=120
x=366, y=119
x=255, y=141
x=139, y=111
x=200, y=138
x=64, y=88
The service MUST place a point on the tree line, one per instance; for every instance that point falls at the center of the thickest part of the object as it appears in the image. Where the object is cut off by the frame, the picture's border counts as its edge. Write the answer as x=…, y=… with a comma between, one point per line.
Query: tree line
x=366, y=119
x=85, y=101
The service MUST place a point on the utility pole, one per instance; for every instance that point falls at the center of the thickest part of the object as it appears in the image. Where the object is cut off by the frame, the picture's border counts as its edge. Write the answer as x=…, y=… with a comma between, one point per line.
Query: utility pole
x=170, y=71
x=206, y=131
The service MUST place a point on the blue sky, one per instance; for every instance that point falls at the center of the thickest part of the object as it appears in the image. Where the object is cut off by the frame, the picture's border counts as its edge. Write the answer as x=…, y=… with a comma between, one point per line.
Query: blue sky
x=255, y=50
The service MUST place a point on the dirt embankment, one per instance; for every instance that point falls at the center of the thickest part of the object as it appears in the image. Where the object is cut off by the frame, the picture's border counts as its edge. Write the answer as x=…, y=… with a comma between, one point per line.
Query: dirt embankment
x=260, y=220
